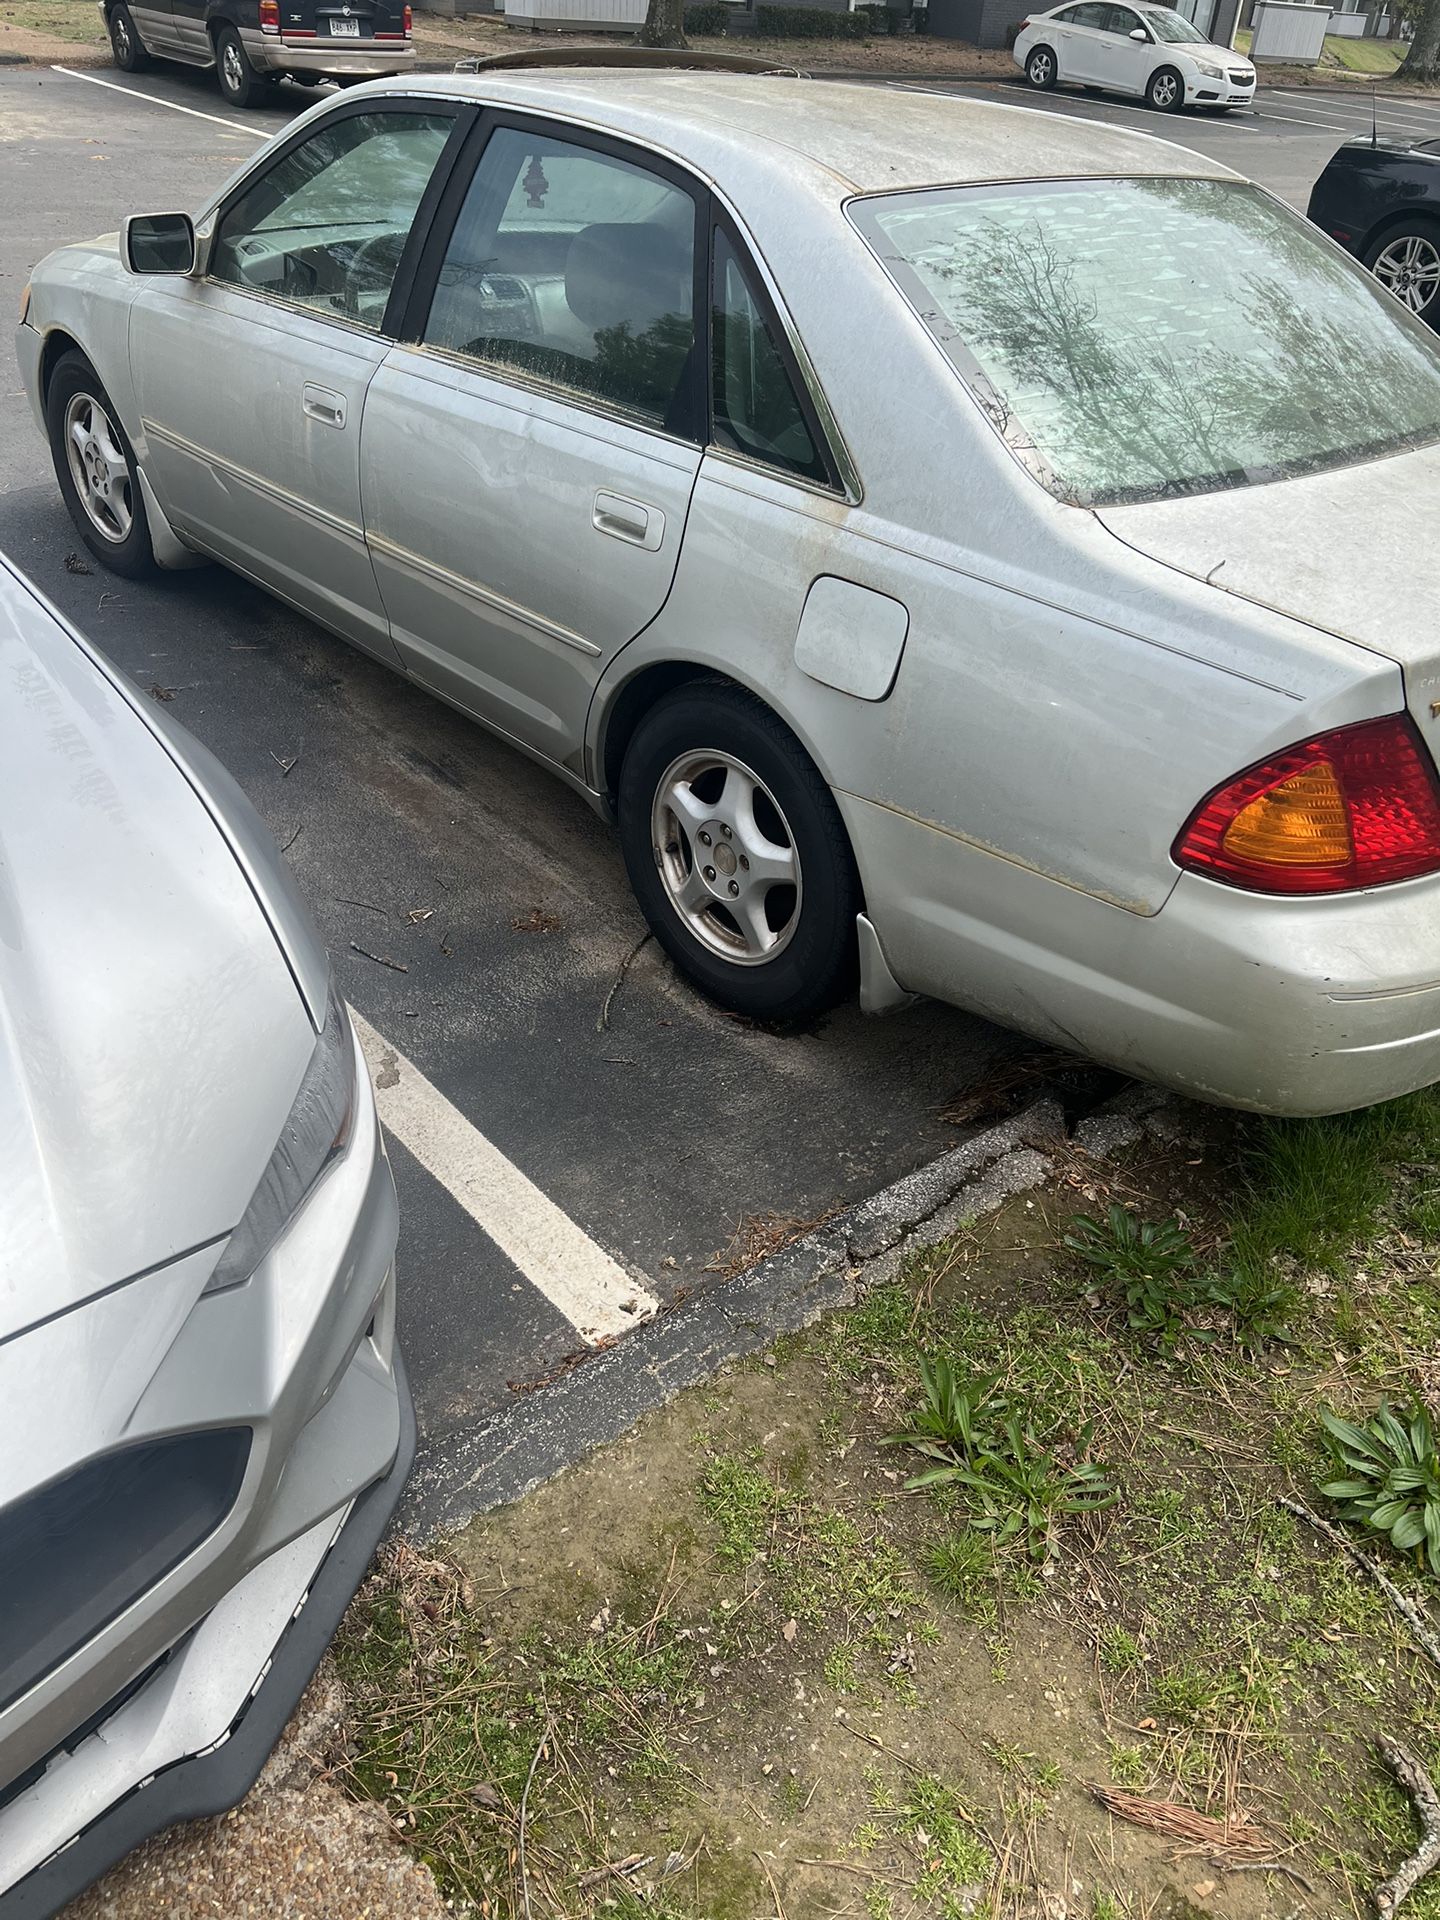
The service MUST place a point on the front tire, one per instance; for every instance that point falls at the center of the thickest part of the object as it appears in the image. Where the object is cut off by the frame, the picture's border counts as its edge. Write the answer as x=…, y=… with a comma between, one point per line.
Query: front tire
x=738, y=856
x=126, y=47
x=239, y=82
x=1166, y=91
x=1406, y=259
x=1042, y=69
x=95, y=465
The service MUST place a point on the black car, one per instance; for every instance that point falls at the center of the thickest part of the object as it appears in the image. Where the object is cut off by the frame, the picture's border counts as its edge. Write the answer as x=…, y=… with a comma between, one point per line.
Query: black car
x=249, y=42
x=1381, y=199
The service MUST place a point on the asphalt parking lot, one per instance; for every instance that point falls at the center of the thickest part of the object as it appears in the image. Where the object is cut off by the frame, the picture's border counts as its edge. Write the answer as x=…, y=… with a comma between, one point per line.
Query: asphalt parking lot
x=577, y=1137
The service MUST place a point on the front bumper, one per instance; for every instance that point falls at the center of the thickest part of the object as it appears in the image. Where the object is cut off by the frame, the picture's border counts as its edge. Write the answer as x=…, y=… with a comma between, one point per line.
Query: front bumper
x=350, y=59
x=1204, y=92
x=1288, y=1006
x=303, y=1355
x=239, y=1634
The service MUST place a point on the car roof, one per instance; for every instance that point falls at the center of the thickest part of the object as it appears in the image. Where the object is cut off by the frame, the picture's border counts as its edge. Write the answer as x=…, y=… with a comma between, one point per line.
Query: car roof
x=857, y=139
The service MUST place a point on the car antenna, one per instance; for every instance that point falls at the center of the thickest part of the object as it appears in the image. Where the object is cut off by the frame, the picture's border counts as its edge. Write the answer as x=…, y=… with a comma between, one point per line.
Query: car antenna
x=1374, y=111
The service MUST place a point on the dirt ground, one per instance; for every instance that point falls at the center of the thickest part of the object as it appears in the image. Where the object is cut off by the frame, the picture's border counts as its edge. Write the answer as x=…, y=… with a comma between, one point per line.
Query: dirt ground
x=732, y=1667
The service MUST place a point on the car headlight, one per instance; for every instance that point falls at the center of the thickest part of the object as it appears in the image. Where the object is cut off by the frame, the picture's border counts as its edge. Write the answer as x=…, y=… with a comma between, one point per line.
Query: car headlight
x=1210, y=72
x=317, y=1129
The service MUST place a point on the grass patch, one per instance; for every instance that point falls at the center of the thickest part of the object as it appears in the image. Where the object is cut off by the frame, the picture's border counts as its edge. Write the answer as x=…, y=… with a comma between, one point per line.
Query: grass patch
x=1364, y=56
x=74, y=20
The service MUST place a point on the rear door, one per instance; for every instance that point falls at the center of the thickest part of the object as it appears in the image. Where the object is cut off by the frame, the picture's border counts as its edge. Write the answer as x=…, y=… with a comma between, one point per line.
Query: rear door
x=1082, y=54
x=528, y=455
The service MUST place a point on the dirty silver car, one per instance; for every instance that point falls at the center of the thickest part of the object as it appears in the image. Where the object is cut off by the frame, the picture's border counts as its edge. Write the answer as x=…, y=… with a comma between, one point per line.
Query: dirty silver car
x=969, y=552
x=205, y=1425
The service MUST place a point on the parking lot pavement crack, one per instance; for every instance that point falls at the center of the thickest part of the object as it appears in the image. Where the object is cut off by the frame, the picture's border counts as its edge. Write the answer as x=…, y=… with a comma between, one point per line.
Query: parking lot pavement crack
x=543, y=1432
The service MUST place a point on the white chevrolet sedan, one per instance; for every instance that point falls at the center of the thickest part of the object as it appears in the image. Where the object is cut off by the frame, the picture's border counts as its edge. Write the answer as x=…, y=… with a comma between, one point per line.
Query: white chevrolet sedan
x=968, y=552
x=1152, y=52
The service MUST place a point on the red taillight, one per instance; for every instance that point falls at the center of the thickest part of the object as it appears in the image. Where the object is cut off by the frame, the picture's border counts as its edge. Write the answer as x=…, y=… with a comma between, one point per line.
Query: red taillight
x=269, y=16
x=408, y=22
x=1353, y=808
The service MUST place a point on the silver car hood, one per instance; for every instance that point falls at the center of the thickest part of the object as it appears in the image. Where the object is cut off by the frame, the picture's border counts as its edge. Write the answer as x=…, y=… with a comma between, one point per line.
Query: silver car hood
x=152, y=1035
x=1351, y=551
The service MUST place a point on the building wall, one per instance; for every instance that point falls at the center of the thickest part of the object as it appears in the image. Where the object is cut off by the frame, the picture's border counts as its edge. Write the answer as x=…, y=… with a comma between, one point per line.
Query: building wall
x=984, y=23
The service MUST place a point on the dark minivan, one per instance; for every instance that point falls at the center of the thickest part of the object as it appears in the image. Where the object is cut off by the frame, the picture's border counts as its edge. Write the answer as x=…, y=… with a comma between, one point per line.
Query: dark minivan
x=251, y=42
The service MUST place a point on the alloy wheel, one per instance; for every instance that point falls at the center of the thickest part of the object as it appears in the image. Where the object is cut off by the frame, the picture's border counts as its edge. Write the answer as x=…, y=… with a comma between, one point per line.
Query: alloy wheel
x=1410, y=268
x=121, y=31
x=232, y=67
x=99, y=469
x=726, y=857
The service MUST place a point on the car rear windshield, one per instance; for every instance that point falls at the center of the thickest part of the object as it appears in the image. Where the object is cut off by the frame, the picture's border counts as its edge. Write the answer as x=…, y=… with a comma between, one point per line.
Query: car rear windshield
x=1138, y=339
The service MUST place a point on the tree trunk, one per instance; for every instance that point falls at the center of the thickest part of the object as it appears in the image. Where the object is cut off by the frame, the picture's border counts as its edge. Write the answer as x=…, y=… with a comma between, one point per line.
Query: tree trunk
x=665, y=24
x=1422, y=62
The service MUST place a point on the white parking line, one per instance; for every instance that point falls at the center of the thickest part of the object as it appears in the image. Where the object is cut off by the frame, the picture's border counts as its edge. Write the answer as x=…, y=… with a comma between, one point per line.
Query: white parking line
x=1071, y=106
x=137, y=93
x=576, y=1276
x=1360, y=124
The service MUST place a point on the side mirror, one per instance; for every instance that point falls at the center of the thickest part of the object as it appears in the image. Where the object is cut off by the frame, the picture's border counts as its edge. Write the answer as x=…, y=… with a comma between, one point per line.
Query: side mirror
x=1139, y=33
x=158, y=243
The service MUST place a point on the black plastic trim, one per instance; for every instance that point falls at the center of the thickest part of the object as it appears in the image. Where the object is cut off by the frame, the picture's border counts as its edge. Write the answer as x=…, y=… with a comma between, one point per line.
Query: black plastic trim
x=213, y=1782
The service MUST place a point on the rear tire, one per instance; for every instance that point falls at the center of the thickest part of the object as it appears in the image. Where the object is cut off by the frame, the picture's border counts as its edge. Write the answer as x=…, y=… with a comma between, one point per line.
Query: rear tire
x=95, y=465
x=1166, y=91
x=1406, y=259
x=241, y=85
x=1042, y=69
x=126, y=47
x=738, y=856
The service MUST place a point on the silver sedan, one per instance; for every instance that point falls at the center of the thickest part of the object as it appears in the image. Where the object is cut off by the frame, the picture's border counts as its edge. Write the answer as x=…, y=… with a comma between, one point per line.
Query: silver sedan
x=205, y=1422
x=969, y=553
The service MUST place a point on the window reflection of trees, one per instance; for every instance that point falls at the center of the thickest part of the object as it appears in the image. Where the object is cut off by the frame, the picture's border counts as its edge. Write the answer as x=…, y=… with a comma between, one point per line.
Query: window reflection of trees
x=1161, y=337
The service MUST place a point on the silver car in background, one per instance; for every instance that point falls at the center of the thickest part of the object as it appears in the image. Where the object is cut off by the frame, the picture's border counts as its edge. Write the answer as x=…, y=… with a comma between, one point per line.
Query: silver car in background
x=204, y=1424
x=976, y=551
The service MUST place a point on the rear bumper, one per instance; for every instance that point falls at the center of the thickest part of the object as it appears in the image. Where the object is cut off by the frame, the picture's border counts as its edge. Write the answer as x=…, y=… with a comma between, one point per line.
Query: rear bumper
x=211, y=1782
x=370, y=59
x=1282, y=1006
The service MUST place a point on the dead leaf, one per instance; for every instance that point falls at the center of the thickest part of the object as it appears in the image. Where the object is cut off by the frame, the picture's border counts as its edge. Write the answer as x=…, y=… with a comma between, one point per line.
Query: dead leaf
x=789, y=1631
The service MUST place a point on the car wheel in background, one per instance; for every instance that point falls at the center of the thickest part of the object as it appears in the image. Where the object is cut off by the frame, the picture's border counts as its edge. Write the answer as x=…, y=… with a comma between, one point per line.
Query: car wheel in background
x=1041, y=69
x=239, y=81
x=95, y=465
x=1166, y=91
x=129, y=55
x=1407, y=261
x=737, y=854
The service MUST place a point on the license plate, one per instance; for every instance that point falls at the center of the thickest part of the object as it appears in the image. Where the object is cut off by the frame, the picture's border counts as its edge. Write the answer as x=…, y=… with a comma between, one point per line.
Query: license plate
x=345, y=29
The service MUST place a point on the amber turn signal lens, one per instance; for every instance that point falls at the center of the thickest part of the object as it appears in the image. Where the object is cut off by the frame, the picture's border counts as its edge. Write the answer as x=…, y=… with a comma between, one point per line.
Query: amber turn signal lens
x=1357, y=807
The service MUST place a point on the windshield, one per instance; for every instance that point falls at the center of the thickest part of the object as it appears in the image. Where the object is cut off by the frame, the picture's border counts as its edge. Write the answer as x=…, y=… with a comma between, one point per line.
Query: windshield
x=1168, y=25
x=1136, y=339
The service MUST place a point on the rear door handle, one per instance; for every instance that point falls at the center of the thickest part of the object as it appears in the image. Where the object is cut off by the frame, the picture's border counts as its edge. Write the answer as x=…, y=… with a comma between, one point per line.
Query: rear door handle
x=319, y=403
x=628, y=520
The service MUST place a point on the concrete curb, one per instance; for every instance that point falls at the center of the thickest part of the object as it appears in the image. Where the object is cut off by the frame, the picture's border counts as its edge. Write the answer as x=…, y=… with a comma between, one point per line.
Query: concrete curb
x=557, y=1425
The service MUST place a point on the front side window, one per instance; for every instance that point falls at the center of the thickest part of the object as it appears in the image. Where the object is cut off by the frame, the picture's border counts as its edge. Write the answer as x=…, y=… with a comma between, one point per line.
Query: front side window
x=757, y=411
x=1137, y=339
x=576, y=268
x=327, y=224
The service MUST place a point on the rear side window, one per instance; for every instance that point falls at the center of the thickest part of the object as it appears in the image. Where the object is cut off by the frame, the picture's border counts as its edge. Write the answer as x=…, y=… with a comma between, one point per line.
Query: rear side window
x=576, y=268
x=757, y=411
x=327, y=224
x=1137, y=339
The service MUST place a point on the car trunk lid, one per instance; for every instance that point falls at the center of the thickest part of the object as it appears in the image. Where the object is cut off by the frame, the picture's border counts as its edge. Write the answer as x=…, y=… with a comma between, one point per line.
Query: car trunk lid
x=1349, y=551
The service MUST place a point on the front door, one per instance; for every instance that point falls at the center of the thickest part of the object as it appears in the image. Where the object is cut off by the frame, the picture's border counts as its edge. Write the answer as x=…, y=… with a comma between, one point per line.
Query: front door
x=527, y=459
x=251, y=382
x=1127, y=63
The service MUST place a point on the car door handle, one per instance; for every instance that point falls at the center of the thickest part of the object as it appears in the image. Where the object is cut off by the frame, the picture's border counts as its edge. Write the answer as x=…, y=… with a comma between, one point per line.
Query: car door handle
x=628, y=520
x=319, y=403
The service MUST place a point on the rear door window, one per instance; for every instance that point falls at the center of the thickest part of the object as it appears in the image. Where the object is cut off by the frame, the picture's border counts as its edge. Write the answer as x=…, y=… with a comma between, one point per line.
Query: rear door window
x=574, y=267
x=756, y=408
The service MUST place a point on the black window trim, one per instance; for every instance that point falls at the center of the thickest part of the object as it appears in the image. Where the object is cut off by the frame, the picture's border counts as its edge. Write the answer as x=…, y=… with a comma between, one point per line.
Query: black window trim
x=783, y=336
x=492, y=120
x=460, y=112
